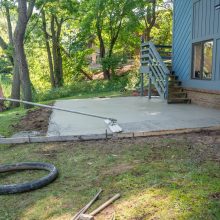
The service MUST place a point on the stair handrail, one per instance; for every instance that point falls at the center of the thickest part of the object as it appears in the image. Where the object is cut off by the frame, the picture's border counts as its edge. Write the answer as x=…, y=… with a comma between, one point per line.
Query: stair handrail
x=159, y=58
x=152, y=57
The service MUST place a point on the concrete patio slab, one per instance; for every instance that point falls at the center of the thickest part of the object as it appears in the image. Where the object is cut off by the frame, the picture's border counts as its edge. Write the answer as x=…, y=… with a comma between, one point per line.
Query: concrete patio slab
x=134, y=114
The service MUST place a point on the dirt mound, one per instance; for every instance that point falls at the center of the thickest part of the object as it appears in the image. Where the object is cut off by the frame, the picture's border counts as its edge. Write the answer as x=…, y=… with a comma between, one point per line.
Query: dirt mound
x=34, y=120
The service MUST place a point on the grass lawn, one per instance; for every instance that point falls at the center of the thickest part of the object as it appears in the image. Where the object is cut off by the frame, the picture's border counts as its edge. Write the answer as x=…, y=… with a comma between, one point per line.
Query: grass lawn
x=169, y=177
x=9, y=118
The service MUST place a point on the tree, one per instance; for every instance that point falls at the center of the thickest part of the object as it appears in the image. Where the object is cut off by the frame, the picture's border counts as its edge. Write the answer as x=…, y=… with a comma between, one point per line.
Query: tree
x=15, y=47
x=62, y=31
x=25, y=10
x=56, y=13
x=15, y=91
x=150, y=13
x=109, y=18
x=47, y=42
x=10, y=51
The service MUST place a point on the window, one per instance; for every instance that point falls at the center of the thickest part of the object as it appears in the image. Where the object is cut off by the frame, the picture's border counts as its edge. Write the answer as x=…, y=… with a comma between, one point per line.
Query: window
x=202, y=60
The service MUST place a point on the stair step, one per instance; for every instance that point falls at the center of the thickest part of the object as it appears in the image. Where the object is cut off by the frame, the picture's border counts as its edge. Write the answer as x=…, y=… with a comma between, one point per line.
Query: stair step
x=175, y=82
x=178, y=100
x=175, y=86
x=175, y=89
x=177, y=95
x=178, y=92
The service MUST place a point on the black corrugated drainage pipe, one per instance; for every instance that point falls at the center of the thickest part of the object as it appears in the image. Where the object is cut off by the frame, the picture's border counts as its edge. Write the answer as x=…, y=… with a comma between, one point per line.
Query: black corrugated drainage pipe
x=28, y=186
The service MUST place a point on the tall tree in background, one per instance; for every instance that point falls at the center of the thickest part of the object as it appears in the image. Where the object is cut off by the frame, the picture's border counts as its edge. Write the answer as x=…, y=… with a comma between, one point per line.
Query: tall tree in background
x=54, y=57
x=54, y=16
x=25, y=10
x=56, y=27
x=149, y=11
x=49, y=55
x=15, y=47
x=10, y=50
x=109, y=18
x=149, y=19
x=61, y=32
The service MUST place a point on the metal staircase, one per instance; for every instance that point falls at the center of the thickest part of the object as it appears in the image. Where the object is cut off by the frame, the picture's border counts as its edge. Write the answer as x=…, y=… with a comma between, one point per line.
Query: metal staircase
x=153, y=65
x=156, y=62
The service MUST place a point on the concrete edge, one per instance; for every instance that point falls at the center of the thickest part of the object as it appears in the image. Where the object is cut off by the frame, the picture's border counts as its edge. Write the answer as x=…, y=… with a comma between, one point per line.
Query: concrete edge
x=46, y=139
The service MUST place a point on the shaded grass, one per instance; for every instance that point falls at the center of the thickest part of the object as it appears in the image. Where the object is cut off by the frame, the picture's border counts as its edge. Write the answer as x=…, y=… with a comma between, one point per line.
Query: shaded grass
x=87, y=88
x=8, y=119
x=159, y=178
x=83, y=95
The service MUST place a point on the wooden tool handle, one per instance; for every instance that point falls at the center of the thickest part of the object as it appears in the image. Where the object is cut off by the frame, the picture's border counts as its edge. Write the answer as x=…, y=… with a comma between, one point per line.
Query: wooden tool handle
x=84, y=209
x=103, y=206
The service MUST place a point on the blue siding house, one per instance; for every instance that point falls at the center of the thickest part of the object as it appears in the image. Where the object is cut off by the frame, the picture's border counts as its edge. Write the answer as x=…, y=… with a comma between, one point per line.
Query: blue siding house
x=196, y=49
x=195, y=62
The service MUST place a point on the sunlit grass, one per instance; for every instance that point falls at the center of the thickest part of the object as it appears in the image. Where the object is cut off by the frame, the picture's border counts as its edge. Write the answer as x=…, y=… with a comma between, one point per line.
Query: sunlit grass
x=9, y=118
x=159, y=178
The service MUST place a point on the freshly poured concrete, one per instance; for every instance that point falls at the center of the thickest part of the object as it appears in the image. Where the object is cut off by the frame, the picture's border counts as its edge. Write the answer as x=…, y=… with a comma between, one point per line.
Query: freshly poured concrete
x=133, y=114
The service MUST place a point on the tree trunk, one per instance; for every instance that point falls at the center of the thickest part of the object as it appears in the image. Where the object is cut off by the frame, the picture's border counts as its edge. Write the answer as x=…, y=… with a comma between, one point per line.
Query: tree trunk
x=15, y=91
x=49, y=55
x=147, y=34
x=106, y=72
x=19, y=34
x=60, y=66
x=23, y=67
x=57, y=58
x=150, y=20
x=86, y=74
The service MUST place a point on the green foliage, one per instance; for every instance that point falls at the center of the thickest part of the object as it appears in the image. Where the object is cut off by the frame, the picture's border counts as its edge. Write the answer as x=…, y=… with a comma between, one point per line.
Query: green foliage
x=162, y=32
x=5, y=81
x=86, y=87
x=111, y=63
x=134, y=80
x=121, y=23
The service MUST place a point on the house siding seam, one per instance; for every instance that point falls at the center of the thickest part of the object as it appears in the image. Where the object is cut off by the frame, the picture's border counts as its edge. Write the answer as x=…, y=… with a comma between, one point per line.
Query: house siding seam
x=194, y=21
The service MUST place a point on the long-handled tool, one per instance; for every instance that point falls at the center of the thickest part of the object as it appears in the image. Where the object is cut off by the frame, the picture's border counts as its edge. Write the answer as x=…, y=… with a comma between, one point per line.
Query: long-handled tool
x=111, y=122
x=84, y=209
x=99, y=209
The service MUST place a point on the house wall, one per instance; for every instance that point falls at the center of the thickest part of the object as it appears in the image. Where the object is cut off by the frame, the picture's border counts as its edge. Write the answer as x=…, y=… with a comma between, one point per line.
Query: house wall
x=194, y=21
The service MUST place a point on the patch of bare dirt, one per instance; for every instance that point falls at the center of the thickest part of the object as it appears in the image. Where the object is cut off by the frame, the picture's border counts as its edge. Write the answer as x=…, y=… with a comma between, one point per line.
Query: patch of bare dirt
x=34, y=120
x=215, y=196
x=107, y=213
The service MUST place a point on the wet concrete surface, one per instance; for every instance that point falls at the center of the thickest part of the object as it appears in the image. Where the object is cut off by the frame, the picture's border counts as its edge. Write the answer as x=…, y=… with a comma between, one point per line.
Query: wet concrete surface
x=134, y=114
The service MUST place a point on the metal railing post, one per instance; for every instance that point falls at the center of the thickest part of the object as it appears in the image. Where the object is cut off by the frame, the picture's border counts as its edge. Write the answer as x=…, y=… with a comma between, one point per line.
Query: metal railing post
x=149, y=86
x=167, y=87
x=142, y=84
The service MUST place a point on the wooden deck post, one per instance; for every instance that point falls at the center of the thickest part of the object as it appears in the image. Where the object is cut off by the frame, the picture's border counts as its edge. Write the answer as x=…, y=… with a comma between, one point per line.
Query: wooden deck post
x=149, y=87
